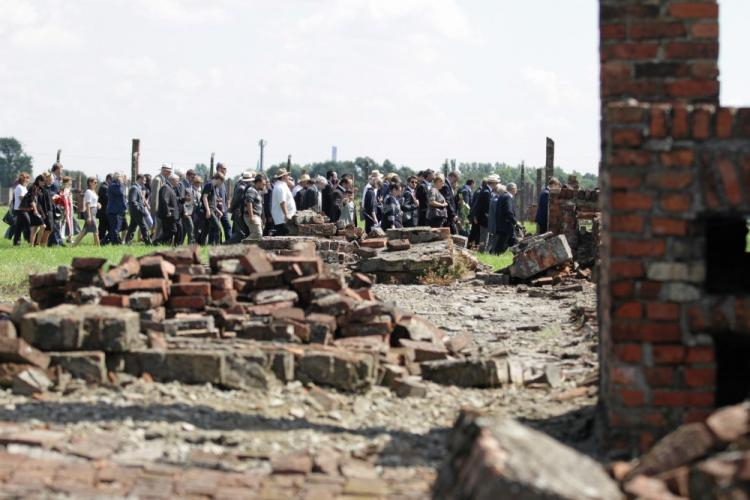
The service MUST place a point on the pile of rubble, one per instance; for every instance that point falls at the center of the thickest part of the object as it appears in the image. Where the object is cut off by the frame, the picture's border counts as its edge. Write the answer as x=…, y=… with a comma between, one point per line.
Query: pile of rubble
x=248, y=319
x=540, y=260
x=406, y=255
x=709, y=459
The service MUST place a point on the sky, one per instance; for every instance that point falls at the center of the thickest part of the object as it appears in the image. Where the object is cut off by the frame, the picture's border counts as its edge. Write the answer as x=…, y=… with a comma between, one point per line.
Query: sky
x=414, y=81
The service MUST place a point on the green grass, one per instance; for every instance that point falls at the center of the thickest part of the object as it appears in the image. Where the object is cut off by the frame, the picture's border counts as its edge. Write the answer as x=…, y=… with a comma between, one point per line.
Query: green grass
x=16, y=263
x=498, y=262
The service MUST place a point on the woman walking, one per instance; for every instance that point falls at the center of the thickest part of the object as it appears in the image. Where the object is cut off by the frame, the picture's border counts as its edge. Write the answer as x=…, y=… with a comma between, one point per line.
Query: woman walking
x=22, y=224
x=437, y=211
x=89, y=209
x=64, y=200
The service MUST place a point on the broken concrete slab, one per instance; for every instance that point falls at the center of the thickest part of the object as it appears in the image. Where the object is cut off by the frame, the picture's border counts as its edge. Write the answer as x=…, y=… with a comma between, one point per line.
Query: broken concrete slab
x=74, y=328
x=346, y=371
x=497, y=457
x=87, y=365
x=31, y=381
x=539, y=254
x=15, y=350
x=467, y=372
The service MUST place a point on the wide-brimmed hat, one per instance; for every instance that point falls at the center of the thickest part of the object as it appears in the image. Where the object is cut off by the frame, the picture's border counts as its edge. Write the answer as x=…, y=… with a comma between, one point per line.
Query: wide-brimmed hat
x=166, y=167
x=304, y=178
x=493, y=179
x=281, y=173
x=376, y=173
x=247, y=175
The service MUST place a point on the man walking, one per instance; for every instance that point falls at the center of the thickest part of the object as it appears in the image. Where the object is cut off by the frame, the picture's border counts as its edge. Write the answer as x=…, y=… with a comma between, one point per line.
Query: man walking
x=169, y=211
x=505, y=224
x=137, y=210
x=542, y=211
x=222, y=203
x=482, y=208
x=211, y=210
x=253, y=198
x=422, y=192
x=282, y=203
x=116, y=208
x=156, y=184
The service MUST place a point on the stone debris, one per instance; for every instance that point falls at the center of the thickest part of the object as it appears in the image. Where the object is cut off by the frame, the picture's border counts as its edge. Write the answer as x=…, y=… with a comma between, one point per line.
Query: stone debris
x=250, y=319
x=497, y=457
x=534, y=255
x=707, y=459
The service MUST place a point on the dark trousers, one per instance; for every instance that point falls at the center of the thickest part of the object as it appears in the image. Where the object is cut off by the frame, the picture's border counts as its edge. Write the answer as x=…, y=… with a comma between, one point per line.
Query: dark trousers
x=239, y=228
x=103, y=228
x=21, y=226
x=168, y=231
x=212, y=230
x=188, y=229
x=422, y=219
x=226, y=226
x=199, y=226
x=503, y=241
x=115, y=226
x=137, y=221
x=438, y=222
x=280, y=230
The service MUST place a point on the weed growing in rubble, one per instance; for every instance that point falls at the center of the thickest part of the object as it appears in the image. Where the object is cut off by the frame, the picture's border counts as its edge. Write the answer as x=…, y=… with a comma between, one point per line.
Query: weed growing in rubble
x=444, y=274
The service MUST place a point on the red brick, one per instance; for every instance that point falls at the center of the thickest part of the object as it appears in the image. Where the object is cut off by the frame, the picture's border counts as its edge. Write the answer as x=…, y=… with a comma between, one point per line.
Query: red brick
x=692, y=50
x=700, y=355
x=694, y=10
x=624, y=114
x=702, y=123
x=731, y=182
x=627, y=137
x=222, y=282
x=669, y=227
x=629, y=310
x=658, y=123
x=629, y=353
x=692, y=88
x=671, y=179
x=645, y=331
x=374, y=243
x=659, y=377
x=187, y=302
x=195, y=288
x=638, y=248
x=622, y=289
x=680, y=127
x=147, y=285
x=115, y=301
x=632, y=201
x=676, y=202
x=704, y=70
x=699, y=377
x=705, y=30
x=677, y=158
x=626, y=224
x=633, y=88
x=669, y=354
x=625, y=181
x=630, y=51
x=632, y=398
x=657, y=30
x=630, y=158
x=649, y=289
x=682, y=398
x=618, y=71
x=612, y=31
x=626, y=269
x=662, y=311
x=724, y=118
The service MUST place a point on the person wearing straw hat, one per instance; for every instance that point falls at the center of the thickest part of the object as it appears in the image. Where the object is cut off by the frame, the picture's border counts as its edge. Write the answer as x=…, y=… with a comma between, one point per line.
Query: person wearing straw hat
x=309, y=198
x=156, y=183
x=282, y=203
x=237, y=206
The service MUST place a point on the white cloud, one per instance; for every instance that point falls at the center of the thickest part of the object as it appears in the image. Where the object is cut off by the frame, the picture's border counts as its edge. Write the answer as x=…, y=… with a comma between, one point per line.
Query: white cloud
x=554, y=89
x=186, y=11
x=26, y=28
x=140, y=67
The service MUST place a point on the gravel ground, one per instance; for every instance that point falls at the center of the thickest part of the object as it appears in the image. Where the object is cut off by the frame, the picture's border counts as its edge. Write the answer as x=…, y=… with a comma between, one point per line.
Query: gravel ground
x=240, y=430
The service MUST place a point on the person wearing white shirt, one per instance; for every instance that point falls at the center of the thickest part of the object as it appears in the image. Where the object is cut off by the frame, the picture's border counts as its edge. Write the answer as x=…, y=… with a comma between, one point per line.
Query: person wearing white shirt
x=22, y=224
x=282, y=203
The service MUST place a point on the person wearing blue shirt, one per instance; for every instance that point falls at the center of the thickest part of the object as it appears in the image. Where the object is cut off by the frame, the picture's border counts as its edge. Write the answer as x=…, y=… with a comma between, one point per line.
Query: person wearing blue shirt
x=117, y=206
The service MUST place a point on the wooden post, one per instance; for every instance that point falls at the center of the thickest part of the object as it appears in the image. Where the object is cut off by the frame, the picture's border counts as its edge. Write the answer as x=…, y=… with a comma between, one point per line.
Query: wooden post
x=135, y=154
x=59, y=153
x=211, y=171
x=262, y=143
x=289, y=164
x=538, y=182
x=549, y=166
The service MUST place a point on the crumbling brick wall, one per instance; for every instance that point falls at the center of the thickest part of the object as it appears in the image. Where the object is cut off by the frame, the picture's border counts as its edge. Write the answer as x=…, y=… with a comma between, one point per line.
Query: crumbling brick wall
x=672, y=161
x=568, y=209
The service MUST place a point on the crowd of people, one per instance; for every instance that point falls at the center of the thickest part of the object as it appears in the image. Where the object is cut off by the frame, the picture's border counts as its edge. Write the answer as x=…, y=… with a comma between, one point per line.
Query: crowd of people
x=172, y=208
